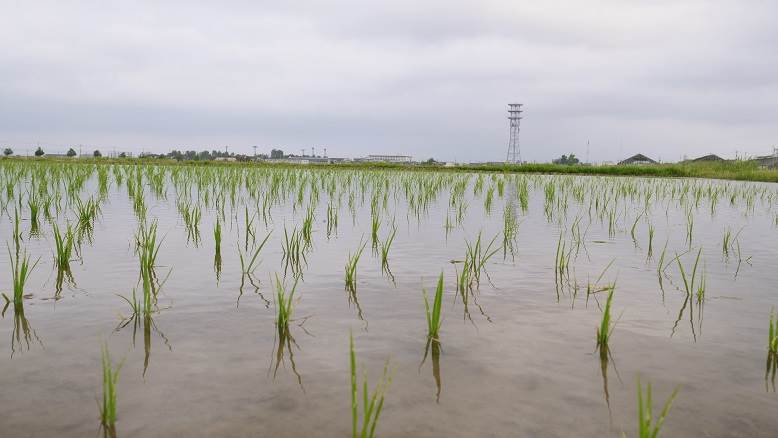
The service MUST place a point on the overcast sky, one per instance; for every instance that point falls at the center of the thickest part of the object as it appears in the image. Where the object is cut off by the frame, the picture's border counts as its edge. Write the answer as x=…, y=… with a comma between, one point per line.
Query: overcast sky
x=423, y=78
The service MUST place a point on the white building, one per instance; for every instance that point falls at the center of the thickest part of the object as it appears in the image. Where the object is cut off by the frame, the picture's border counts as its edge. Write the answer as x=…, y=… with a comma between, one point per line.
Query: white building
x=389, y=158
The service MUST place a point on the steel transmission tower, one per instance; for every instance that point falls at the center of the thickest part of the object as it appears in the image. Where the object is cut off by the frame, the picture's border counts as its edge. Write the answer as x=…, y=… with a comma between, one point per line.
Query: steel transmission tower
x=514, y=119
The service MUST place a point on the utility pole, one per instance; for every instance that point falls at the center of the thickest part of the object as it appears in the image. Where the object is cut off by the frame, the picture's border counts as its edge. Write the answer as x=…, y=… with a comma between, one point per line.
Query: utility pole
x=587, y=151
x=514, y=119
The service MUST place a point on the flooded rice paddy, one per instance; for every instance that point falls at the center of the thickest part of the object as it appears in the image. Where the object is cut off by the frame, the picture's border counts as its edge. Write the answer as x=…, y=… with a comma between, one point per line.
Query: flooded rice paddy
x=218, y=301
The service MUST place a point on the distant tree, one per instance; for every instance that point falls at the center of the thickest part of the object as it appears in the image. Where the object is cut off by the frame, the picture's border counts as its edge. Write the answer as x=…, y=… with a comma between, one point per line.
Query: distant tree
x=431, y=161
x=204, y=155
x=8, y=151
x=39, y=152
x=71, y=152
x=176, y=155
x=97, y=153
x=123, y=155
x=276, y=153
x=565, y=159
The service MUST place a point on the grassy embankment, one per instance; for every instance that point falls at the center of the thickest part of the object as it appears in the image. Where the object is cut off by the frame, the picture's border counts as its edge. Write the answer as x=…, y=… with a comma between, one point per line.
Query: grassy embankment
x=733, y=170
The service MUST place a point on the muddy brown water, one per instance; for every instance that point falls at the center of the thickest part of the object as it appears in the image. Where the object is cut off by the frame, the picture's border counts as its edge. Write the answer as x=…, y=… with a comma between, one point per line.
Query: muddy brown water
x=527, y=366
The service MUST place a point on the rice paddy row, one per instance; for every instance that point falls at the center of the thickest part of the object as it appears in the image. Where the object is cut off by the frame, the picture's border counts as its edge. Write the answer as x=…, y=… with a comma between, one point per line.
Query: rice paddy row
x=64, y=201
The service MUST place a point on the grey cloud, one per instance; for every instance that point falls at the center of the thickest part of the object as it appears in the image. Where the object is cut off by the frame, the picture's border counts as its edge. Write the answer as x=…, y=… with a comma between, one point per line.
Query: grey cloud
x=430, y=79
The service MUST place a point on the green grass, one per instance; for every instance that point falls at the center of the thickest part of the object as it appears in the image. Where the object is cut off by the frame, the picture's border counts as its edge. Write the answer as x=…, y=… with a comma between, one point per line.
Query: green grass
x=372, y=403
x=648, y=426
x=433, y=313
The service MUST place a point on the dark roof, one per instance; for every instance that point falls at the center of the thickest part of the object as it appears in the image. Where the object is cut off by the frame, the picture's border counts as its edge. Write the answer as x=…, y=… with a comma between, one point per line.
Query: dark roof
x=637, y=158
x=709, y=157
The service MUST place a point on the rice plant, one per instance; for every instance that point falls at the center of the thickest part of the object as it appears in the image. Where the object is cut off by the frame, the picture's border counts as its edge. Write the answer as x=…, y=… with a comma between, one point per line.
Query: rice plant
x=650, y=241
x=375, y=225
x=284, y=302
x=147, y=248
x=386, y=245
x=110, y=379
x=248, y=265
x=479, y=255
x=63, y=246
x=351, y=268
x=293, y=252
x=689, y=282
x=433, y=313
x=20, y=274
x=372, y=402
x=772, y=348
x=605, y=329
x=307, y=228
x=509, y=230
x=648, y=427
x=284, y=305
x=217, y=236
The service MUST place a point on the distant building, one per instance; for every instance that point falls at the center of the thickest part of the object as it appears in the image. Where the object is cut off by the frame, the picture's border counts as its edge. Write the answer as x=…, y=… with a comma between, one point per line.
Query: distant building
x=225, y=159
x=709, y=157
x=768, y=161
x=637, y=159
x=389, y=158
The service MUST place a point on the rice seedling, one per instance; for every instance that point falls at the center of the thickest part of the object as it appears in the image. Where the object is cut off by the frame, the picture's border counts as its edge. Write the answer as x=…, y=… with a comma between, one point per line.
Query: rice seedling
x=34, y=206
x=63, y=246
x=372, y=403
x=510, y=230
x=689, y=227
x=332, y=219
x=606, y=327
x=17, y=234
x=284, y=305
x=650, y=241
x=284, y=302
x=248, y=265
x=562, y=260
x=479, y=255
x=110, y=379
x=689, y=282
x=20, y=274
x=772, y=349
x=351, y=268
x=375, y=225
x=249, y=229
x=307, y=228
x=647, y=426
x=147, y=248
x=293, y=252
x=433, y=313
x=386, y=245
